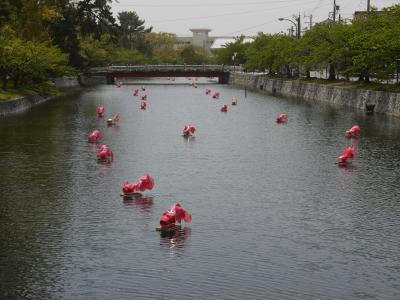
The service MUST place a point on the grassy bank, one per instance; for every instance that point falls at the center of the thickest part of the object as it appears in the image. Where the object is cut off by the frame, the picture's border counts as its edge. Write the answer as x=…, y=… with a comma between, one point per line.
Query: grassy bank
x=45, y=89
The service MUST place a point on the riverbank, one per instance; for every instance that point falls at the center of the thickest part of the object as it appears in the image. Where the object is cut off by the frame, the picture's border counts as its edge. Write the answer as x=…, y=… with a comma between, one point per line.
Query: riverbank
x=23, y=100
x=376, y=101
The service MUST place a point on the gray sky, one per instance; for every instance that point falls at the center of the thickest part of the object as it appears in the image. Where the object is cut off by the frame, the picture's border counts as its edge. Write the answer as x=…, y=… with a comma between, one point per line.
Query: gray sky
x=235, y=17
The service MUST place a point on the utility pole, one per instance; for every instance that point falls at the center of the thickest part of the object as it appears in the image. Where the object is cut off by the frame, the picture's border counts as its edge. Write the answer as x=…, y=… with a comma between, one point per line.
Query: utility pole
x=310, y=23
x=334, y=11
x=298, y=27
x=368, y=6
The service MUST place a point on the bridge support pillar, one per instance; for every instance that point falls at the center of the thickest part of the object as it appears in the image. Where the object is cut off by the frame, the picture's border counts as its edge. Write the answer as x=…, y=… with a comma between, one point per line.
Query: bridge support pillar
x=224, y=78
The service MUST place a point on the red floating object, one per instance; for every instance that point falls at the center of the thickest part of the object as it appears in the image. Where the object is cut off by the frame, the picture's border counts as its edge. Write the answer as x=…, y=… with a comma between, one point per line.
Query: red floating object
x=348, y=154
x=100, y=111
x=136, y=92
x=105, y=154
x=282, y=118
x=143, y=88
x=143, y=105
x=215, y=95
x=94, y=136
x=353, y=132
x=188, y=130
x=143, y=183
x=144, y=97
x=175, y=213
x=224, y=108
x=208, y=91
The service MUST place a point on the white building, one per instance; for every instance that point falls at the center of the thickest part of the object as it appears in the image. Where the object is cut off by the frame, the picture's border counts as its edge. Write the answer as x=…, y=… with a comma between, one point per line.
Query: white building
x=201, y=39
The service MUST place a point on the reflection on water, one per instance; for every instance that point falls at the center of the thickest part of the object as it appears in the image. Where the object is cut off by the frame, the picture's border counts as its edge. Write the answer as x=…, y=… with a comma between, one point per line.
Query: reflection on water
x=144, y=204
x=175, y=238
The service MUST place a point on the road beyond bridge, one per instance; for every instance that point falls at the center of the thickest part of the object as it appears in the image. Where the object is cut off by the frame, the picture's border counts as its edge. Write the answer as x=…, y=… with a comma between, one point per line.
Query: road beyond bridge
x=112, y=72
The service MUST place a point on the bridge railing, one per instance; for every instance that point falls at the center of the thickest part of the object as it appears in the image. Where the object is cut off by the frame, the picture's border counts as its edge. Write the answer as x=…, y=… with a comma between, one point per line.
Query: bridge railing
x=110, y=69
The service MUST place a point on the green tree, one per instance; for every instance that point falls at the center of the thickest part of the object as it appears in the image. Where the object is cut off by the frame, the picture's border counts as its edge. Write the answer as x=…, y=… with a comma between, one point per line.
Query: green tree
x=132, y=30
x=233, y=52
x=193, y=55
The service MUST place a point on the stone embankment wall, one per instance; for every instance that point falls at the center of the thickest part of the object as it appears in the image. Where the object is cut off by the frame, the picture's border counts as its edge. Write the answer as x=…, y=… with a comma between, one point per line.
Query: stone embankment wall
x=24, y=103
x=381, y=102
x=92, y=80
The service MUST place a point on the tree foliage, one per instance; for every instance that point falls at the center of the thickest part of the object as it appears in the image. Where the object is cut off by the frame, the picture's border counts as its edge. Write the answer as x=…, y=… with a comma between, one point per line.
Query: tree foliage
x=368, y=47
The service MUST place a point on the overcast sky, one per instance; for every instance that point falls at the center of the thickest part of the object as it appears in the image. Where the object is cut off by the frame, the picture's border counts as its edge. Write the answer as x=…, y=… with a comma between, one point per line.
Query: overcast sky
x=235, y=17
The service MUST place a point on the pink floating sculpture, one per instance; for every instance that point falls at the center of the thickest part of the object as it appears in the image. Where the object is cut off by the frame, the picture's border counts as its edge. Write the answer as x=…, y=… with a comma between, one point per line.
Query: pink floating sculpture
x=145, y=182
x=353, y=132
x=224, y=108
x=100, y=111
x=105, y=154
x=215, y=95
x=282, y=118
x=144, y=97
x=136, y=92
x=94, y=136
x=175, y=213
x=188, y=130
x=143, y=105
x=208, y=91
x=348, y=154
x=143, y=88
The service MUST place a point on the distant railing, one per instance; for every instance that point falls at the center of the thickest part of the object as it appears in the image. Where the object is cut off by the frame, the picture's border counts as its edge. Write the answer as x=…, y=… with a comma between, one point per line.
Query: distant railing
x=166, y=68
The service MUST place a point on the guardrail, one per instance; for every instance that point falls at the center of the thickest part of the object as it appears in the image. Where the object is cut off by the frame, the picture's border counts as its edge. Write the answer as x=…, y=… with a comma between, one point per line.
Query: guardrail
x=110, y=69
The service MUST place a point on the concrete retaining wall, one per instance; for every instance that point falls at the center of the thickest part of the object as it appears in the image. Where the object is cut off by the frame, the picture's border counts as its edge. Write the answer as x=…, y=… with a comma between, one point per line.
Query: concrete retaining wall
x=92, y=80
x=383, y=102
x=24, y=103
x=18, y=105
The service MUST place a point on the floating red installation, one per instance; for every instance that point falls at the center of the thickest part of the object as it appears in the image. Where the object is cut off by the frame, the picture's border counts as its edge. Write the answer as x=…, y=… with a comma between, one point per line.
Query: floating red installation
x=146, y=182
x=94, y=136
x=208, y=91
x=105, y=154
x=224, y=108
x=143, y=105
x=143, y=88
x=144, y=97
x=353, y=132
x=175, y=213
x=215, y=95
x=136, y=92
x=188, y=130
x=100, y=111
x=282, y=118
x=348, y=154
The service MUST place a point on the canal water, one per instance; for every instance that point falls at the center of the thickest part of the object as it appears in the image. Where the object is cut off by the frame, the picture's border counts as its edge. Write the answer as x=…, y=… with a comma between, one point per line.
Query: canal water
x=273, y=216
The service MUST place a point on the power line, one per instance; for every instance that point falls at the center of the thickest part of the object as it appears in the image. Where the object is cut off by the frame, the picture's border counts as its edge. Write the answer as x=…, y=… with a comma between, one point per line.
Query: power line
x=272, y=21
x=210, y=4
x=229, y=14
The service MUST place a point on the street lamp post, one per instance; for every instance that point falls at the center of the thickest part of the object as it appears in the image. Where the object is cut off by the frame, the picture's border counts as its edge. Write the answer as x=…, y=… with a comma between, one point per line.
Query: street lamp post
x=296, y=24
x=233, y=60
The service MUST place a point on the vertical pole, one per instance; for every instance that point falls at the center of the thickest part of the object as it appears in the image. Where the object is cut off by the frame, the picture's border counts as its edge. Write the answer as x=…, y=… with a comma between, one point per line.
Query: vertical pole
x=368, y=6
x=334, y=11
x=310, y=22
x=298, y=27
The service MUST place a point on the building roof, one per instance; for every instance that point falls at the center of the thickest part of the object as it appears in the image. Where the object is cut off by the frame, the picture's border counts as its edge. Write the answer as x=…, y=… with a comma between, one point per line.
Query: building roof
x=222, y=42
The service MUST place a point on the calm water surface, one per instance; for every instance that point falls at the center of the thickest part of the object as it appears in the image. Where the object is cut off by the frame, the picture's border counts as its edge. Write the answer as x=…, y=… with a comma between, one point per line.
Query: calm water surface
x=273, y=216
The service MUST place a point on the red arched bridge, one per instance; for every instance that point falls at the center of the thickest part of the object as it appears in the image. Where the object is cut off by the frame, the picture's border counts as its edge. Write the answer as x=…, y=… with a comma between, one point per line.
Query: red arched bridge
x=112, y=72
